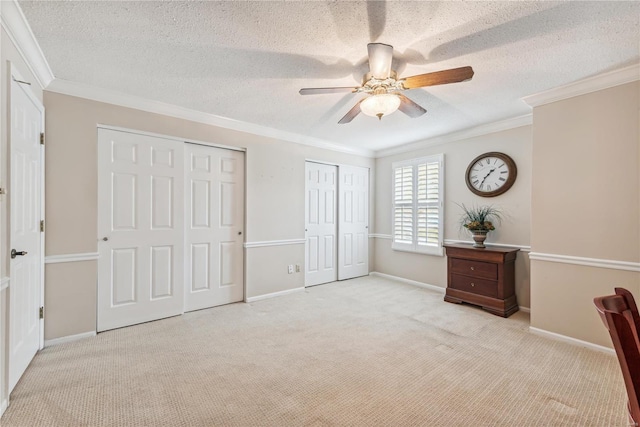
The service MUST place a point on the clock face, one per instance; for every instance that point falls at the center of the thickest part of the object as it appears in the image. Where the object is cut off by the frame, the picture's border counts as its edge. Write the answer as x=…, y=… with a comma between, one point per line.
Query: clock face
x=491, y=174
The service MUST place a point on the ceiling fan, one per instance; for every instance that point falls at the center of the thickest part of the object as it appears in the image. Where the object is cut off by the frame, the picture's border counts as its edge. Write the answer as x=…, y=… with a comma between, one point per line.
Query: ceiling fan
x=383, y=86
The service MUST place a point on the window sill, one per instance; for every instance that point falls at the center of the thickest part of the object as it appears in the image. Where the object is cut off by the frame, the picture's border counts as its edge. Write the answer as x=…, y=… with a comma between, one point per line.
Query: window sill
x=439, y=252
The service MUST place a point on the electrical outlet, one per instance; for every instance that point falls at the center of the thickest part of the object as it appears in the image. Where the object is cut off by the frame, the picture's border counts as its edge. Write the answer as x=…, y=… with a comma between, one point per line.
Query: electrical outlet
x=290, y=269
x=297, y=268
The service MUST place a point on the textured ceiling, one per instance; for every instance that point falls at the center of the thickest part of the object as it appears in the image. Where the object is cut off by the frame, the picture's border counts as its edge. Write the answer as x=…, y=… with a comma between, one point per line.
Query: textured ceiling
x=247, y=60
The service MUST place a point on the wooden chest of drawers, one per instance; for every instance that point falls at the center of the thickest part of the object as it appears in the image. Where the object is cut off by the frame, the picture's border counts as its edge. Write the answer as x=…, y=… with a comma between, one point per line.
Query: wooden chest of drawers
x=482, y=276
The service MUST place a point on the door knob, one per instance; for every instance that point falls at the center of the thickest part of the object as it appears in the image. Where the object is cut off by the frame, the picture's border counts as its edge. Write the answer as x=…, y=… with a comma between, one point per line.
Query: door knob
x=15, y=253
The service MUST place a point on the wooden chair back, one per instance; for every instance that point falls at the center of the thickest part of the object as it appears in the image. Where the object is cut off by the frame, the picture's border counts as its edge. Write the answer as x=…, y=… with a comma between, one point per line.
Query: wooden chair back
x=620, y=315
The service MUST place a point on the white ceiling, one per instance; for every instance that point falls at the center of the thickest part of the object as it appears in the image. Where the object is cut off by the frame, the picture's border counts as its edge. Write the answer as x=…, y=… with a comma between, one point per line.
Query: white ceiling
x=247, y=60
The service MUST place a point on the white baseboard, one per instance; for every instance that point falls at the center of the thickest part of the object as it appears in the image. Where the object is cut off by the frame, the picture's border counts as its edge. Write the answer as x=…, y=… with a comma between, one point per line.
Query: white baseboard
x=574, y=341
x=274, y=294
x=3, y=406
x=409, y=282
x=69, y=338
x=524, y=309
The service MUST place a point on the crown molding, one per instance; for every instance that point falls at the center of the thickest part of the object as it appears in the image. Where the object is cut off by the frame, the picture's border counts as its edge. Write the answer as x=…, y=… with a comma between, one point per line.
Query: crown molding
x=15, y=24
x=484, y=129
x=590, y=84
x=94, y=93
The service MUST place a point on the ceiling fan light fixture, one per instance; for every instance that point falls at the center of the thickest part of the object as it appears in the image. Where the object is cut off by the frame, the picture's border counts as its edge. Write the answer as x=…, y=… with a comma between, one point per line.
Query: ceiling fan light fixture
x=380, y=105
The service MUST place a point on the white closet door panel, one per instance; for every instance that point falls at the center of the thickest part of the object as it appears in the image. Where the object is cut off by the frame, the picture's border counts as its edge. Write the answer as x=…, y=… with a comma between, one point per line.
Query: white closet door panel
x=353, y=212
x=141, y=214
x=320, y=223
x=215, y=224
x=25, y=196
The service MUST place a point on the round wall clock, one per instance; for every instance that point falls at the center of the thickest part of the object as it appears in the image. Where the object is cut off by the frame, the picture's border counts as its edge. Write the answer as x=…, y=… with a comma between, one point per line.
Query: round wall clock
x=491, y=174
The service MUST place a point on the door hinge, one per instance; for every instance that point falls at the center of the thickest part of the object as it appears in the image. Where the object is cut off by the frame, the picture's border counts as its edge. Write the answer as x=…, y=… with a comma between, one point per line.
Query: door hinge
x=41, y=138
x=42, y=226
x=42, y=312
x=3, y=191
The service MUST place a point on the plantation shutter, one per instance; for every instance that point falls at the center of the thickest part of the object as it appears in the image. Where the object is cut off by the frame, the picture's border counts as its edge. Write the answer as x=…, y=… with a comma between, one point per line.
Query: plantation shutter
x=417, y=205
x=428, y=204
x=403, y=205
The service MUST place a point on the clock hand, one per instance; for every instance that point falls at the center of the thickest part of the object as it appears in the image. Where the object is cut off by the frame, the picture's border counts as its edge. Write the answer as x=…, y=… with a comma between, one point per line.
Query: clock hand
x=485, y=177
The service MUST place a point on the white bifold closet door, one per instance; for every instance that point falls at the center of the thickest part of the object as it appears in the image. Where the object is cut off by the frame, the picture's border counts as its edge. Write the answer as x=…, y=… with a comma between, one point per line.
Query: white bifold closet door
x=141, y=228
x=337, y=222
x=321, y=223
x=215, y=223
x=353, y=222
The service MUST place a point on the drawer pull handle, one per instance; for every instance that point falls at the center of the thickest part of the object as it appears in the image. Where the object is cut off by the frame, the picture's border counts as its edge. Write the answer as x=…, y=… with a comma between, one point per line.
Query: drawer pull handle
x=473, y=284
x=472, y=268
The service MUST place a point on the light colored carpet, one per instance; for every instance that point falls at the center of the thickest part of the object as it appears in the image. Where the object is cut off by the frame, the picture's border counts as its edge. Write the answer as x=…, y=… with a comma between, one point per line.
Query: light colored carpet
x=365, y=352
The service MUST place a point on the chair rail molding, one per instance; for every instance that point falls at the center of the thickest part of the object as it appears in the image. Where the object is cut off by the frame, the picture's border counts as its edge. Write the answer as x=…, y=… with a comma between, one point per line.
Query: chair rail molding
x=380, y=236
x=523, y=248
x=275, y=243
x=588, y=262
x=56, y=259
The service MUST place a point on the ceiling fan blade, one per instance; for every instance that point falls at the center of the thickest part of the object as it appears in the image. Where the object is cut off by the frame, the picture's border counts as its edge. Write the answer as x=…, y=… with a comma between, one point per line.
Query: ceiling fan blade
x=323, y=90
x=380, y=56
x=351, y=114
x=409, y=107
x=453, y=75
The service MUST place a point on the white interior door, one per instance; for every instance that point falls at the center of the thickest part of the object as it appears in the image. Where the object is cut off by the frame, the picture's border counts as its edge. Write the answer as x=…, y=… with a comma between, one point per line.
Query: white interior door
x=353, y=222
x=141, y=228
x=320, y=224
x=25, y=198
x=214, y=226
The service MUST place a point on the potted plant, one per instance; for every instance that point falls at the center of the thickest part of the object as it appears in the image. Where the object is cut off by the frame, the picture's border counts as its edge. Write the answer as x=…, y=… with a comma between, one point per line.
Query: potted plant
x=479, y=220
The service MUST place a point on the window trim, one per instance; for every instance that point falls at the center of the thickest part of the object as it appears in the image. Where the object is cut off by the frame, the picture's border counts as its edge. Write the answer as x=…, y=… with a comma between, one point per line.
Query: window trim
x=414, y=247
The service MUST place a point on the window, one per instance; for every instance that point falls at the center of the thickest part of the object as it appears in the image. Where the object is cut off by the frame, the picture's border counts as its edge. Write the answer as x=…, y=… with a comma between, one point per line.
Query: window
x=417, y=205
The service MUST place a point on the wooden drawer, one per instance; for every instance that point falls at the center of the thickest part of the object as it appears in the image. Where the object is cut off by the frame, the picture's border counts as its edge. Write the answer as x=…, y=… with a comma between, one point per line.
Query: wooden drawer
x=474, y=285
x=485, y=270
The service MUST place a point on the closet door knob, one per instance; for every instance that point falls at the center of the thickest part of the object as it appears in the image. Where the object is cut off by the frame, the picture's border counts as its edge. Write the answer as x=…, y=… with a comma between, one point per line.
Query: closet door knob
x=15, y=253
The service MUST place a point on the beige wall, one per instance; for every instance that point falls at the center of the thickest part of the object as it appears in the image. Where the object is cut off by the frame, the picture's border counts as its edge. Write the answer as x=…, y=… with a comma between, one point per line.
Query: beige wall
x=275, y=201
x=8, y=55
x=585, y=204
x=514, y=230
